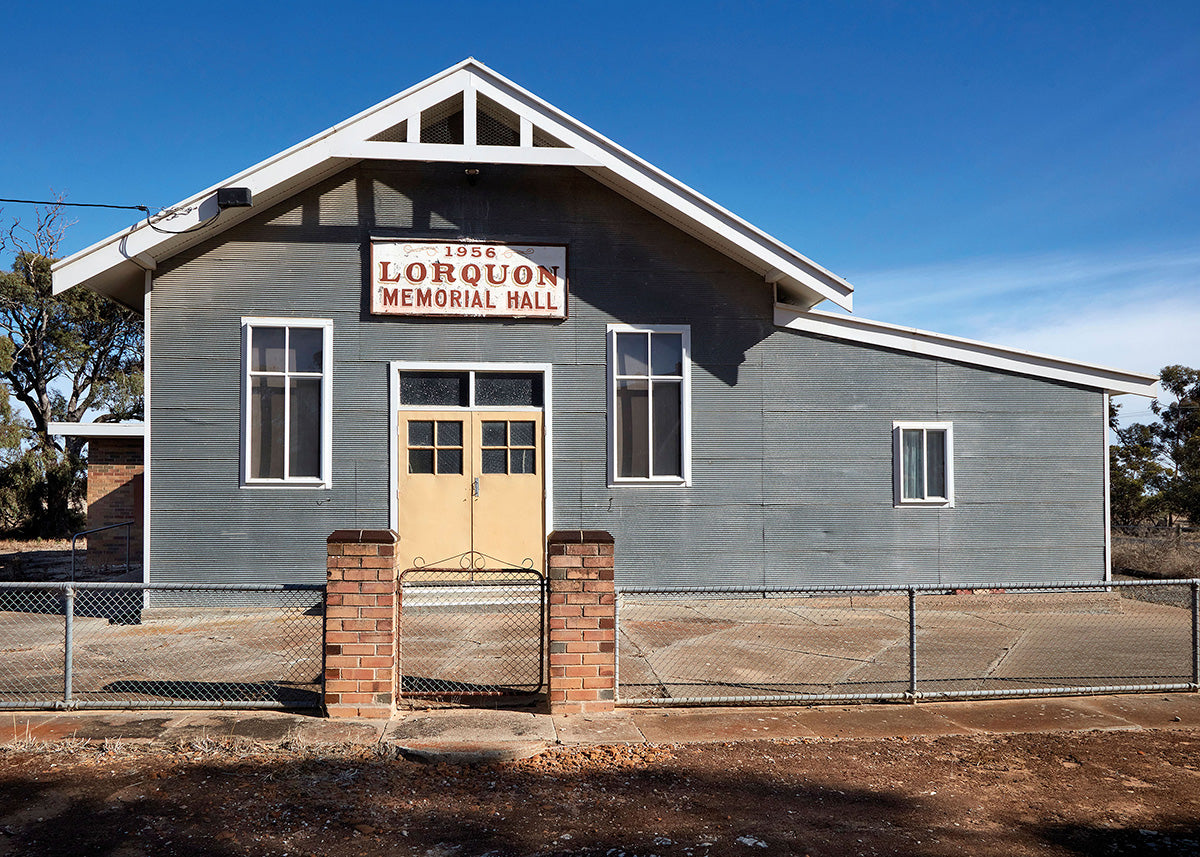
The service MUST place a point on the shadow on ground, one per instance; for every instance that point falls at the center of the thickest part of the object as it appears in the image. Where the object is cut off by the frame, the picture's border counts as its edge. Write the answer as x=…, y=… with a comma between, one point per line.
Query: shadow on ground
x=1098, y=793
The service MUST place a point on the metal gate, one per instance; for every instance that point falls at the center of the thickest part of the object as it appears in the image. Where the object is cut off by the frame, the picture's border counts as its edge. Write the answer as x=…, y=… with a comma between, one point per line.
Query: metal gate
x=471, y=632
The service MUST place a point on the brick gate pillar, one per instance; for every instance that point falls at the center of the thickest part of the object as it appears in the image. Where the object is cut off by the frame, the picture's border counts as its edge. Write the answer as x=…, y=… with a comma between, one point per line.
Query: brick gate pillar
x=362, y=605
x=583, y=621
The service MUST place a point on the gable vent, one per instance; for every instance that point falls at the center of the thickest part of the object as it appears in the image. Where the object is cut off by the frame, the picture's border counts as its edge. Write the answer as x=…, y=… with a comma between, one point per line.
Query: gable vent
x=496, y=125
x=395, y=134
x=443, y=123
x=546, y=141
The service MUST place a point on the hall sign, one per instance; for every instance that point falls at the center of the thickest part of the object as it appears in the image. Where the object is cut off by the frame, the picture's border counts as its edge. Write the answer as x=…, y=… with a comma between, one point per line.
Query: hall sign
x=440, y=278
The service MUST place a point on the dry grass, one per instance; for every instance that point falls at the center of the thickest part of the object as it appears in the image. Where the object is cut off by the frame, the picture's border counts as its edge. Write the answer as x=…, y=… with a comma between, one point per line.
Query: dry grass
x=33, y=545
x=204, y=747
x=1167, y=559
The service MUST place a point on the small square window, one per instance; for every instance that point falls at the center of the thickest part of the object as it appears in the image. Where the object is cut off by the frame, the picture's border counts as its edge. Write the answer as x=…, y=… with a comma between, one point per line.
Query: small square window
x=521, y=461
x=449, y=433
x=420, y=461
x=449, y=460
x=494, y=461
x=521, y=433
x=420, y=432
x=923, y=462
x=493, y=433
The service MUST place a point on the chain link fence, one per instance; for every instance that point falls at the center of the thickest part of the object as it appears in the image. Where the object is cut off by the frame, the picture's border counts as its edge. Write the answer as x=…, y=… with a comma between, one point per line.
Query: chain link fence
x=132, y=645
x=472, y=632
x=726, y=645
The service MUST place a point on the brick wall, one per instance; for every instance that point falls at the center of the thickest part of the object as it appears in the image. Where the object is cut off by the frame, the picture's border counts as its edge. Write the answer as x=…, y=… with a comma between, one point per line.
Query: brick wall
x=114, y=495
x=362, y=604
x=583, y=621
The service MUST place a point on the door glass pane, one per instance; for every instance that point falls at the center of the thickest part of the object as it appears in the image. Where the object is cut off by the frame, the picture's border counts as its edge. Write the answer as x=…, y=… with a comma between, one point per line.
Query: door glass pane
x=509, y=389
x=935, y=469
x=666, y=353
x=668, y=452
x=493, y=433
x=449, y=461
x=420, y=461
x=266, y=349
x=520, y=433
x=631, y=354
x=494, y=460
x=632, y=429
x=521, y=461
x=420, y=432
x=912, y=479
x=443, y=389
x=305, y=347
x=304, y=453
x=449, y=433
x=266, y=428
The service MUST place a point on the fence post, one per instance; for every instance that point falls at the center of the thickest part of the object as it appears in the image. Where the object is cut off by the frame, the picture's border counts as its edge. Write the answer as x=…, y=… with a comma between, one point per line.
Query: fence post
x=912, y=645
x=583, y=621
x=1196, y=635
x=68, y=642
x=361, y=618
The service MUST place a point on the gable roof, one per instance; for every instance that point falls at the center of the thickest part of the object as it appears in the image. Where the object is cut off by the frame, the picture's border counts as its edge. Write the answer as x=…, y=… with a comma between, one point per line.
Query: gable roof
x=471, y=114
x=414, y=126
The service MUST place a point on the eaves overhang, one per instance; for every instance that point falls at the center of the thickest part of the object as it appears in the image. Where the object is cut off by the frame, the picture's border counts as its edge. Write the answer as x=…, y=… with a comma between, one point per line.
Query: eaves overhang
x=96, y=429
x=115, y=266
x=973, y=352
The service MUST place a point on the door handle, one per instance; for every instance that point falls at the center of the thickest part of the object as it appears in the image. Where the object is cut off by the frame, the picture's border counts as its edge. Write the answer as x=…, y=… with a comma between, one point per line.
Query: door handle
x=475, y=487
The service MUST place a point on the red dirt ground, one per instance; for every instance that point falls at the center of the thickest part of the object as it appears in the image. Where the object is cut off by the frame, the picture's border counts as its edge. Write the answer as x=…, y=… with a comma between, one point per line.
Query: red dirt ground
x=1099, y=793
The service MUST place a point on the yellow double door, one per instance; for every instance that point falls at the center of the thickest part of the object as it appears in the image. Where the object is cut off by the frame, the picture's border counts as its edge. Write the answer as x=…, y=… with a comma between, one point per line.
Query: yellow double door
x=470, y=489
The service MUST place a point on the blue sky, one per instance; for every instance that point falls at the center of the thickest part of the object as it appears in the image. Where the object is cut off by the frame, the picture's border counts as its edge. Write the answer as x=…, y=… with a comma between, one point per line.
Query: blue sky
x=1023, y=173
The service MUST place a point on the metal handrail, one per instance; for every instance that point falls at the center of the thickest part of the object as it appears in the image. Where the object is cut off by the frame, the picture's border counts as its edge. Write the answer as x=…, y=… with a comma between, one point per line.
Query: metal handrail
x=126, y=524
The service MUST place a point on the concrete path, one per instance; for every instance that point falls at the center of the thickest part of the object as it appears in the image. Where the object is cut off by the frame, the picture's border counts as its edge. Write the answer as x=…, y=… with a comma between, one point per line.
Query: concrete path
x=482, y=735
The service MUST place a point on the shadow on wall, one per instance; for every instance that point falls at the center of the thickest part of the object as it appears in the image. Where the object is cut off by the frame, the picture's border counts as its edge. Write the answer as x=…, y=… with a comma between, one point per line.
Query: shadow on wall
x=623, y=260
x=119, y=505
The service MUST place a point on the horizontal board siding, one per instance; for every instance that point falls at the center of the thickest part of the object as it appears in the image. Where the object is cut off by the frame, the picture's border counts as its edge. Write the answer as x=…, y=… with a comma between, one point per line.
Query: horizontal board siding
x=791, y=433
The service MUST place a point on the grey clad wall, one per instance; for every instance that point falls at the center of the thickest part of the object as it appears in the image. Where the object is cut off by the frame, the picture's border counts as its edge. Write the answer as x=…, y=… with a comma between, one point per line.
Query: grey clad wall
x=792, y=448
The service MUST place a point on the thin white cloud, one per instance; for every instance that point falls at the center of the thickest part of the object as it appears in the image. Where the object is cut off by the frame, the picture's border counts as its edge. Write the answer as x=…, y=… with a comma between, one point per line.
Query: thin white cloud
x=983, y=291
x=1138, y=337
x=1136, y=311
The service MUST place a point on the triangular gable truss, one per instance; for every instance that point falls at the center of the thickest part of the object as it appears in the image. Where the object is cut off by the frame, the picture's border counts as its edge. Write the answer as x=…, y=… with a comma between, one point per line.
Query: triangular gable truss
x=467, y=114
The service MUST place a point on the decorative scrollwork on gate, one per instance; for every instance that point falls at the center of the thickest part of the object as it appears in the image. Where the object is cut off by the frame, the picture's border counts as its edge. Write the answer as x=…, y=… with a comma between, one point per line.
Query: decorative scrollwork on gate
x=472, y=560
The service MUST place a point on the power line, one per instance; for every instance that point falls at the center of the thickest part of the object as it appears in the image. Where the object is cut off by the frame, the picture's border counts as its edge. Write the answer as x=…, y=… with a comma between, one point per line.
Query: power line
x=142, y=208
x=78, y=204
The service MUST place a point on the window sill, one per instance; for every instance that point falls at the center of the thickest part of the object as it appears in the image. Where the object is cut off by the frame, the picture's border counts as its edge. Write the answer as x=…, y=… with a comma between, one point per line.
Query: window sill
x=649, y=483
x=924, y=504
x=289, y=483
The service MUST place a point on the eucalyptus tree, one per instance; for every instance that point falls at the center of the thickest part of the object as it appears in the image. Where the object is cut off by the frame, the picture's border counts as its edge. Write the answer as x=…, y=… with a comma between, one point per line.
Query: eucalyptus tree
x=71, y=357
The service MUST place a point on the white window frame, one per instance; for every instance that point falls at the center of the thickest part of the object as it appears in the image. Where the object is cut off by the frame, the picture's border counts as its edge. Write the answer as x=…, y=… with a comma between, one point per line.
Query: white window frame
x=325, y=480
x=898, y=464
x=685, y=429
